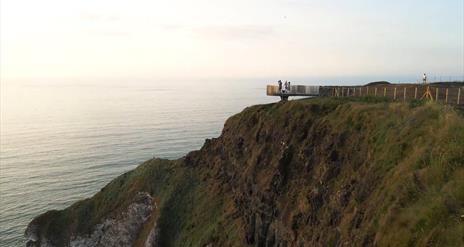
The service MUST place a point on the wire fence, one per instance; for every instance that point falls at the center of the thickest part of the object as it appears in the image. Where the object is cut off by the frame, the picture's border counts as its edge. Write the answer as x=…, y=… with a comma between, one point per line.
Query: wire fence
x=447, y=94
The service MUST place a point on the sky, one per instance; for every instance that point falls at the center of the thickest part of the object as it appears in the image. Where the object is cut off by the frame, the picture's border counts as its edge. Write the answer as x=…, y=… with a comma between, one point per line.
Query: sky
x=227, y=39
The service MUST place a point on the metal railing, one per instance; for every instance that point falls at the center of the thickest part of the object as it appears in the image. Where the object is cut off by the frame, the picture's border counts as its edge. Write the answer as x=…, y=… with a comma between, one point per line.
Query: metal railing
x=295, y=90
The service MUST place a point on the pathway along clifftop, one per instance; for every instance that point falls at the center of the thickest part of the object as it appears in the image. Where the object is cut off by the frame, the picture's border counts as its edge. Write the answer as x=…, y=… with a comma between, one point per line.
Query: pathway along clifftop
x=313, y=172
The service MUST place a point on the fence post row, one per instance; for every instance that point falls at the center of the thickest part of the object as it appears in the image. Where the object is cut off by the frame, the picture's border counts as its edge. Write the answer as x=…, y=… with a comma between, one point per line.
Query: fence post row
x=450, y=96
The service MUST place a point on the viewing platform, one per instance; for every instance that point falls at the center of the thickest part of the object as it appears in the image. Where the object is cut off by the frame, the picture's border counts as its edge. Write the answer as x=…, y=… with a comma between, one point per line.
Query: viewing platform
x=296, y=90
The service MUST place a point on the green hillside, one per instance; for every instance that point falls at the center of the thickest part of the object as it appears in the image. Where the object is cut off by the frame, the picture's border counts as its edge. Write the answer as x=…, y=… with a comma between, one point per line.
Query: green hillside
x=313, y=172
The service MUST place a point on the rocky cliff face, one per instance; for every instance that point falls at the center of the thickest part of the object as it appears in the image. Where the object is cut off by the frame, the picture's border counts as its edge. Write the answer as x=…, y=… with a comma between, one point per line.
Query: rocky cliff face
x=318, y=172
x=120, y=230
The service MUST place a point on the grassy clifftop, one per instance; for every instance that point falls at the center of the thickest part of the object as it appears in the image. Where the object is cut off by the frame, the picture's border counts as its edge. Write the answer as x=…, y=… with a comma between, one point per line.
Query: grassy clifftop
x=315, y=172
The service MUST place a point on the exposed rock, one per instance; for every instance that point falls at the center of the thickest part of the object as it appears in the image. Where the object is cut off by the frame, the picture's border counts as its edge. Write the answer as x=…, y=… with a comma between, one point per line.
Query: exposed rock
x=119, y=231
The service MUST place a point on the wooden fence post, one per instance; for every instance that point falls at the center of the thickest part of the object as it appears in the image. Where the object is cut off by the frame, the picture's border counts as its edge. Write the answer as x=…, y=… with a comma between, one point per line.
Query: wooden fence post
x=404, y=94
x=384, y=91
x=446, y=96
x=394, y=94
x=375, y=92
x=436, y=94
x=360, y=91
x=459, y=94
x=415, y=93
x=367, y=91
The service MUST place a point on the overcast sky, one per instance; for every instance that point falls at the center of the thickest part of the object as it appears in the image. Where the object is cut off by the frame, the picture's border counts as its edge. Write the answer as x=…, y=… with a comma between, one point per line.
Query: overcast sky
x=235, y=38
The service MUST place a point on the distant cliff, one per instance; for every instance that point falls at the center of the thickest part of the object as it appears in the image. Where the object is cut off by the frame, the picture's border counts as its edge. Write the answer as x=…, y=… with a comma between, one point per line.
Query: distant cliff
x=315, y=172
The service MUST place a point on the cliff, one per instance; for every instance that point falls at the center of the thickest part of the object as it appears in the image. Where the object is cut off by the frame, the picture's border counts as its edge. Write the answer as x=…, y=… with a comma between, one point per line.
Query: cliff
x=314, y=172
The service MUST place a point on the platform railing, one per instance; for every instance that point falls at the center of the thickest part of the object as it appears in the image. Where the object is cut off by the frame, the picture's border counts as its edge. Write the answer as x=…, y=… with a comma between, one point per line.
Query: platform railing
x=294, y=90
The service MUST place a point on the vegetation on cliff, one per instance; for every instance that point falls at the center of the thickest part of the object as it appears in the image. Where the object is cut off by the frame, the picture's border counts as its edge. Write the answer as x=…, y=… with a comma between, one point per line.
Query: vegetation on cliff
x=313, y=172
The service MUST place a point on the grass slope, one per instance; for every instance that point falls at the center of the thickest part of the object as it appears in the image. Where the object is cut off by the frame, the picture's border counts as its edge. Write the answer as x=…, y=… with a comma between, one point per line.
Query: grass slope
x=331, y=172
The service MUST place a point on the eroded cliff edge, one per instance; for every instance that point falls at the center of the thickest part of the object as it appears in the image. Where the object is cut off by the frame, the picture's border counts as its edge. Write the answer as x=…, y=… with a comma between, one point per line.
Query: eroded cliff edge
x=315, y=172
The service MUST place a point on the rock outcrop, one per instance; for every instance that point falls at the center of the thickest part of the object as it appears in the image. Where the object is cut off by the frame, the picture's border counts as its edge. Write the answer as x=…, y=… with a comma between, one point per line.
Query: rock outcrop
x=119, y=231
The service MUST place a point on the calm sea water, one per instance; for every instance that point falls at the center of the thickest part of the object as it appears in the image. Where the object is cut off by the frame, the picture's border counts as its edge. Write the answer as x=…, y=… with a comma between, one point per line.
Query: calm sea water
x=63, y=142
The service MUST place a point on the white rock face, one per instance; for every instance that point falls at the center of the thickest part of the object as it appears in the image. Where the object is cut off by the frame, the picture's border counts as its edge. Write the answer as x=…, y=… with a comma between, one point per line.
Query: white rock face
x=120, y=231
